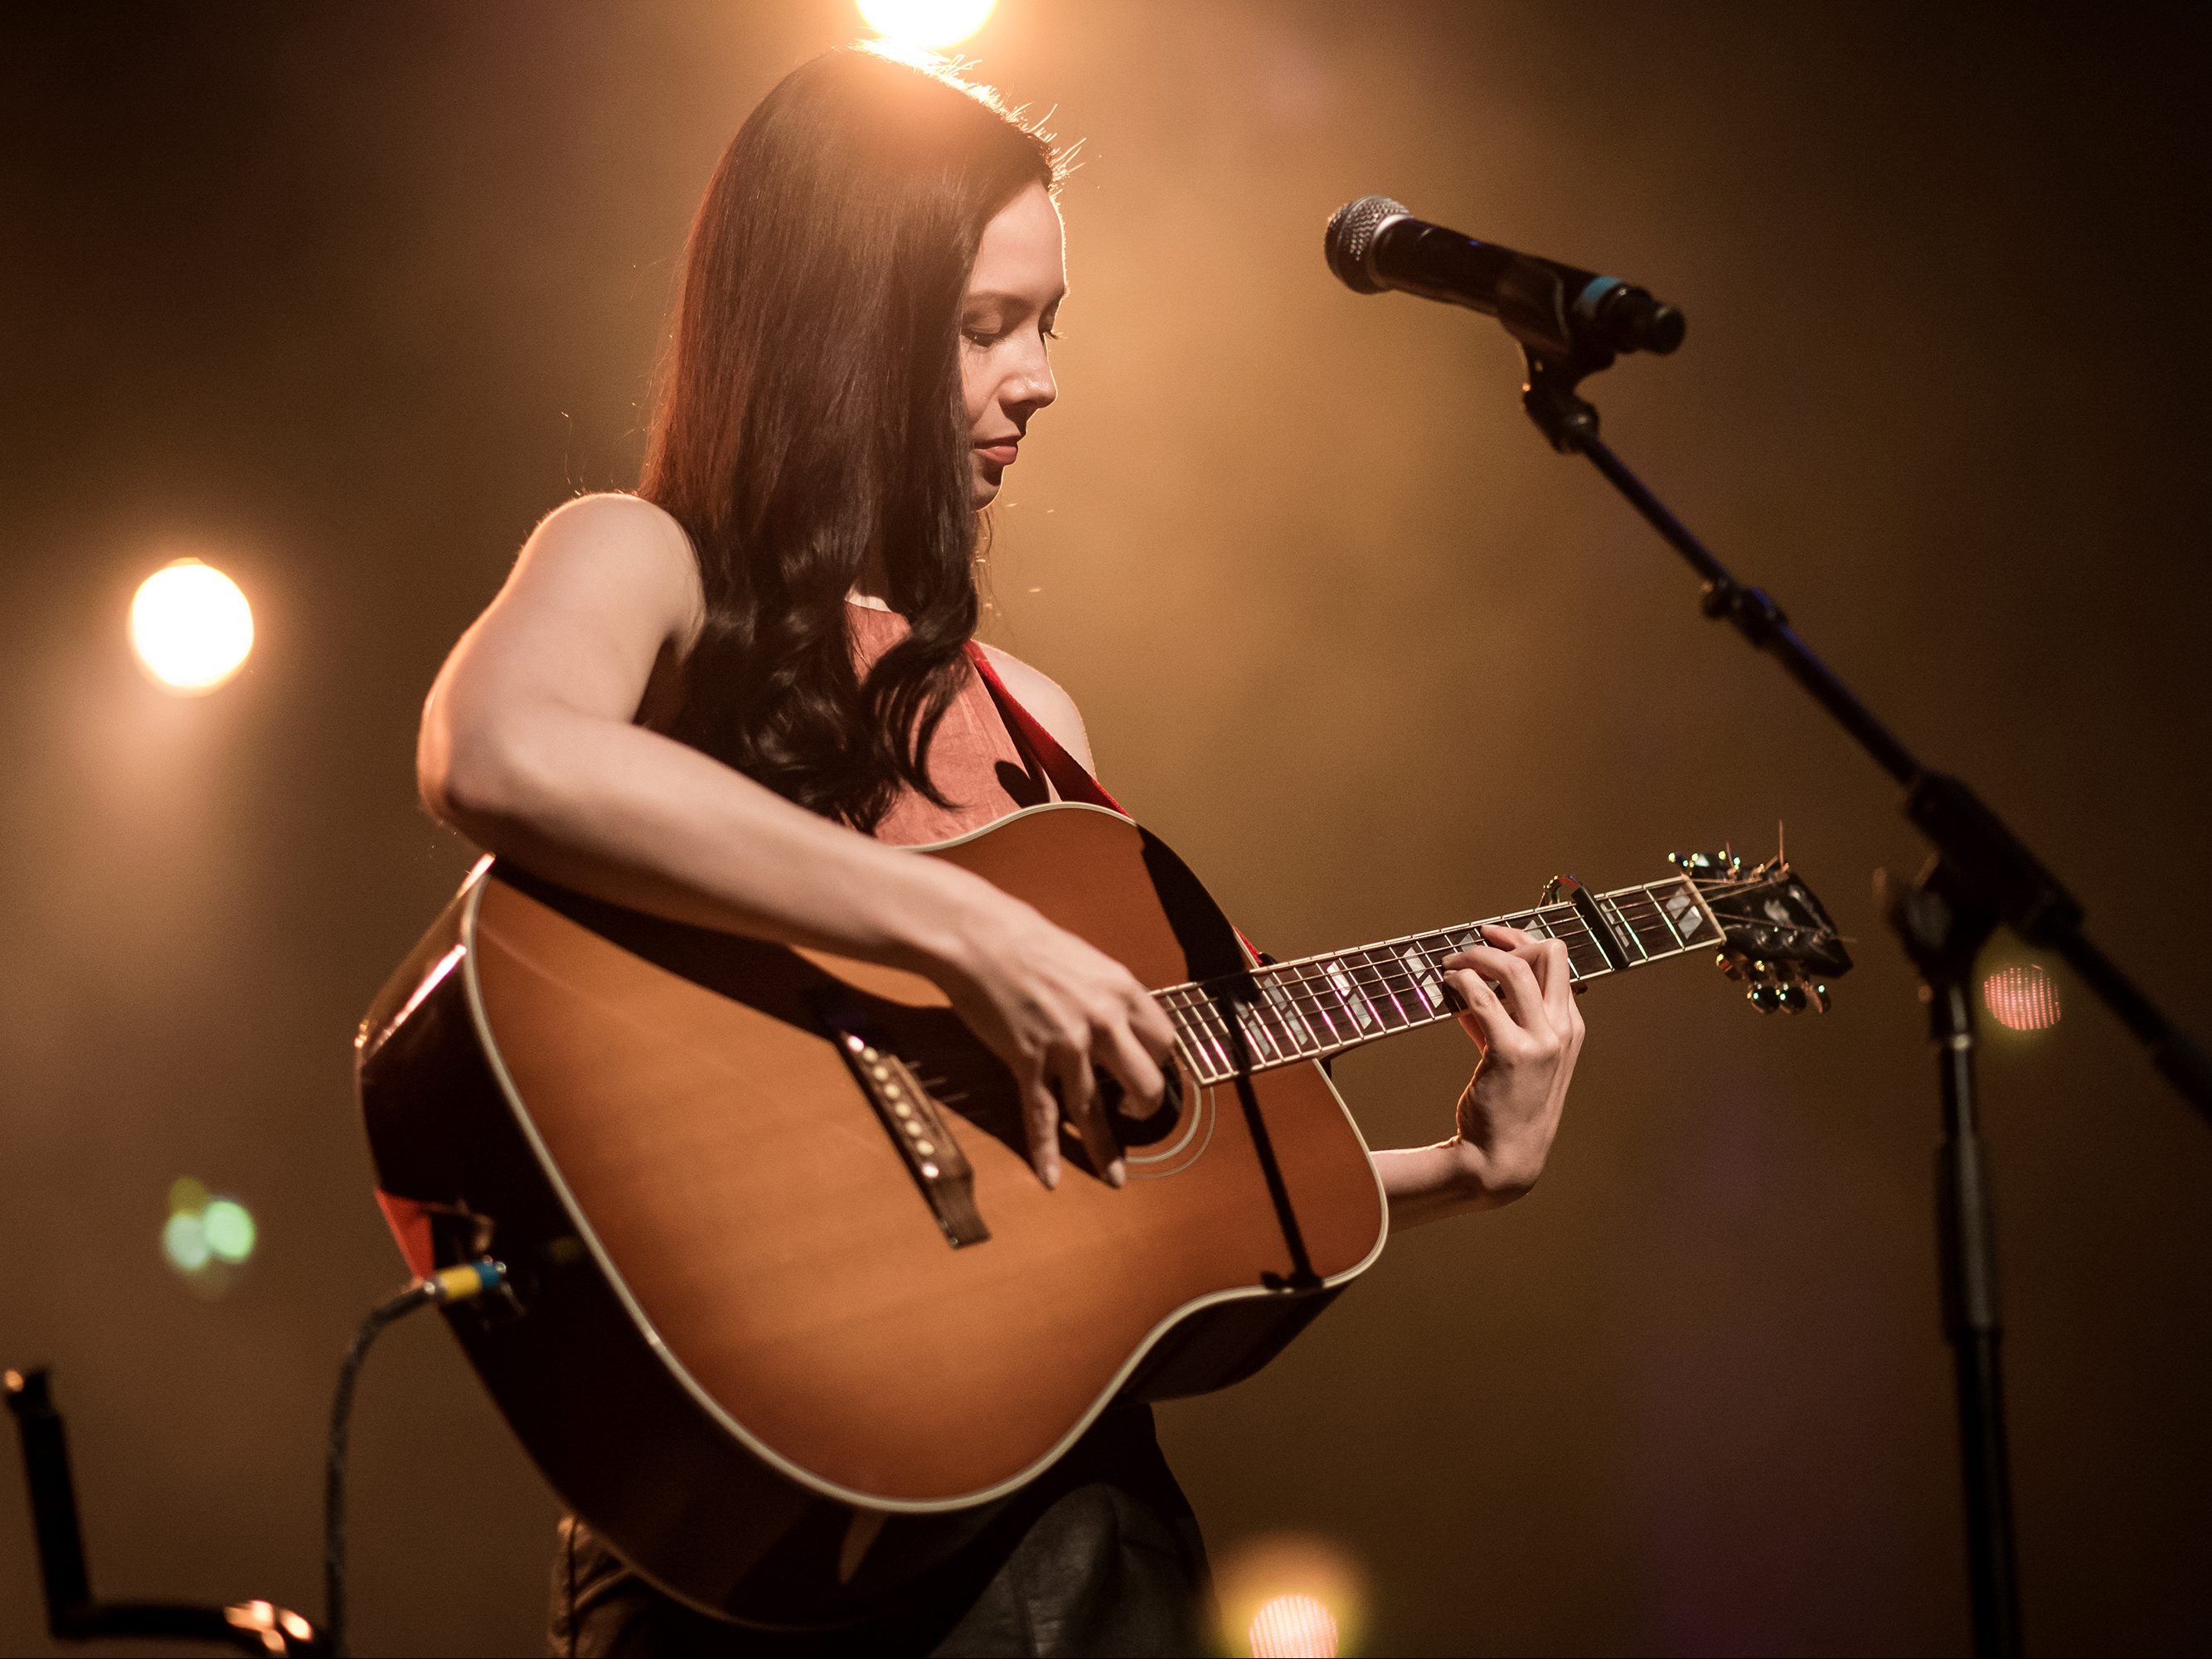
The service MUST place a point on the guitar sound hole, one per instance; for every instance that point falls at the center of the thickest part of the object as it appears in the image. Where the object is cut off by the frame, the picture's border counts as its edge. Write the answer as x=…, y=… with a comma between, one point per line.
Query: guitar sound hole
x=1142, y=1131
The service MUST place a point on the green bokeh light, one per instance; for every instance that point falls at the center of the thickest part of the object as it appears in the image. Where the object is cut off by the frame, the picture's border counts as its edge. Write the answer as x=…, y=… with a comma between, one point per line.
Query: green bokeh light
x=206, y=1237
x=230, y=1230
x=184, y=1242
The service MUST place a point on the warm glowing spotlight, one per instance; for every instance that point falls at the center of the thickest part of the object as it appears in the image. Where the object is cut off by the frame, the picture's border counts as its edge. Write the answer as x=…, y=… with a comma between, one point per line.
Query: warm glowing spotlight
x=1293, y=1627
x=190, y=627
x=1289, y=1594
x=2021, y=998
x=925, y=22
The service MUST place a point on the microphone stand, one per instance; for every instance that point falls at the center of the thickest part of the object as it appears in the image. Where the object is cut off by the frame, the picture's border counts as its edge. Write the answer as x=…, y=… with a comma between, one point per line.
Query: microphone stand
x=1981, y=875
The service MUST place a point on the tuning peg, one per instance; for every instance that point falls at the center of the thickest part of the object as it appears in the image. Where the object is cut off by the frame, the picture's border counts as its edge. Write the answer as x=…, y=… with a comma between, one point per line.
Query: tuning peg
x=1793, y=998
x=1765, y=998
x=1727, y=963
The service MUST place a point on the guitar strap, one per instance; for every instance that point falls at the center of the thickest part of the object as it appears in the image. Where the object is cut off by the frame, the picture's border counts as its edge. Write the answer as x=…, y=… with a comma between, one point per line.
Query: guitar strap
x=1045, y=753
x=1042, y=750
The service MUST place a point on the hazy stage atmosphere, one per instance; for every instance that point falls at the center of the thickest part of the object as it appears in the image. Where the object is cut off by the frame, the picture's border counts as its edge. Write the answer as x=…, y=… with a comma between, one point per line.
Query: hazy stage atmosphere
x=342, y=301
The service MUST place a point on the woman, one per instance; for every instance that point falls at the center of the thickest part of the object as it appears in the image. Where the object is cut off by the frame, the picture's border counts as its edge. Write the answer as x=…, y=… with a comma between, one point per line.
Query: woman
x=729, y=698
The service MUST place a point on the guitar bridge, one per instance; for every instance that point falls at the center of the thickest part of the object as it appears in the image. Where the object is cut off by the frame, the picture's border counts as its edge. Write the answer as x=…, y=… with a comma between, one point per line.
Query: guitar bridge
x=916, y=1123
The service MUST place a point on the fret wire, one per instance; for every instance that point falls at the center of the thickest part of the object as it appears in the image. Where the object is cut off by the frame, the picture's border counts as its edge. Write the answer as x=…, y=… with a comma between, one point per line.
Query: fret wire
x=1292, y=983
x=1304, y=1024
x=1224, y=1039
x=1309, y=985
x=1626, y=926
x=1198, y=1040
x=1194, y=1053
x=1336, y=1036
x=1295, y=1021
x=1376, y=974
x=1286, y=1005
x=1283, y=1024
x=1248, y=1017
x=1349, y=997
x=1199, y=1010
x=1367, y=959
x=1659, y=904
x=1658, y=909
x=1338, y=984
x=1666, y=921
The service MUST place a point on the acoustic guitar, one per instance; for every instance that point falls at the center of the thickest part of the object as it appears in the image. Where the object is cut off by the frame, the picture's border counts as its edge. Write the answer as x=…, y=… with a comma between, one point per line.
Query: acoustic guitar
x=791, y=1312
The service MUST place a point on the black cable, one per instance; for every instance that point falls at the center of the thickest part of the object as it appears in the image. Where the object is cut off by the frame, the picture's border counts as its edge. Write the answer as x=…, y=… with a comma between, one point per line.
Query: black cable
x=421, y=1294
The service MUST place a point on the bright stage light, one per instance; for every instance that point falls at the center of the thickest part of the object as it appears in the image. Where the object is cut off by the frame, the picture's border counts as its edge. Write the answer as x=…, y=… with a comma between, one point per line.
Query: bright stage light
x=925, y=22
x=1293, y=1627
x=1288, y=1595
x=2021, y=999
x=190, y=627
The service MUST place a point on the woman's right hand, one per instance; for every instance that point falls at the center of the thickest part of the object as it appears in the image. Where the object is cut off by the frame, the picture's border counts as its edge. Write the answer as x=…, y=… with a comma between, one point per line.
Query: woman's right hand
x=1053, y=1007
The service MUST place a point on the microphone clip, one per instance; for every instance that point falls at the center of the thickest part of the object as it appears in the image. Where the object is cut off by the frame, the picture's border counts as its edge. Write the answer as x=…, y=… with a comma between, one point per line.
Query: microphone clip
x=1548, y=394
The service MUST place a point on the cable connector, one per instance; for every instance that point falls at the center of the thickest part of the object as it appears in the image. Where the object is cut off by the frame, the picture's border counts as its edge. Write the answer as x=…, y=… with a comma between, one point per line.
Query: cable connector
x=464, y=1282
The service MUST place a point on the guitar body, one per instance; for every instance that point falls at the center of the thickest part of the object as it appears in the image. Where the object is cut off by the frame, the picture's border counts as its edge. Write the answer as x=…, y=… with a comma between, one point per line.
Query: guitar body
x=747, y=1350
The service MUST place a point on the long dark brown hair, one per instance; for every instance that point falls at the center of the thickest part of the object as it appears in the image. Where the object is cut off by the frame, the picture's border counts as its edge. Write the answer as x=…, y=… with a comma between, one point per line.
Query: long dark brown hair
x=811, y=417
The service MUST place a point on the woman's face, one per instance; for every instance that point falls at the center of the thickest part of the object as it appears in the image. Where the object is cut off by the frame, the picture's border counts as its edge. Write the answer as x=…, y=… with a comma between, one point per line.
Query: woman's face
x=1014, y=292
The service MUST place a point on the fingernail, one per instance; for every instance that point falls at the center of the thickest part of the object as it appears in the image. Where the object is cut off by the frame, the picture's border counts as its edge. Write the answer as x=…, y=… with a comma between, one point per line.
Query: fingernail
x=1117, y=1172
x=1052, y=1173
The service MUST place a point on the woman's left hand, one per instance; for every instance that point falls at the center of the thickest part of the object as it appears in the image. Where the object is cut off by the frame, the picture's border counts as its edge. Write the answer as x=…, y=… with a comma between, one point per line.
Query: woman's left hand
x=1529, y=1031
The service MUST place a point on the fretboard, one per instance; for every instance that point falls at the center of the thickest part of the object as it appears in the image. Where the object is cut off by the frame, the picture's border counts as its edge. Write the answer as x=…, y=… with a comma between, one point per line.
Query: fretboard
x=1321, y=1006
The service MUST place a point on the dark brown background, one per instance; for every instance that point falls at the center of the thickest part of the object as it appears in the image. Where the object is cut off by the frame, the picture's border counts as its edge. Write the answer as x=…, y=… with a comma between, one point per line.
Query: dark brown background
x=345, y=301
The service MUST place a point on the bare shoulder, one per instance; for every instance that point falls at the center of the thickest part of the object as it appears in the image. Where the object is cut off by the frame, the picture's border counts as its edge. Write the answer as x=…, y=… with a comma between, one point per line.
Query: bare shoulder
x=613, y=547
x=1041, y=695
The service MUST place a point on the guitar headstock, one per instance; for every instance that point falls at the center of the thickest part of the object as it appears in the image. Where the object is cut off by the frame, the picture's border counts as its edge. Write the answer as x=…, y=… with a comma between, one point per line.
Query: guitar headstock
x=1776, y=938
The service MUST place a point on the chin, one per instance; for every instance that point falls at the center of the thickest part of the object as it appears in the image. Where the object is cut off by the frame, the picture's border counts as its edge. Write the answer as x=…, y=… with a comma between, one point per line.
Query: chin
x=983, y=490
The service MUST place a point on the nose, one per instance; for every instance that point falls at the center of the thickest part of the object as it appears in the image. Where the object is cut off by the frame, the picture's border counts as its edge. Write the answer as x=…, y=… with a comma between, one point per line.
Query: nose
x=1031, y=386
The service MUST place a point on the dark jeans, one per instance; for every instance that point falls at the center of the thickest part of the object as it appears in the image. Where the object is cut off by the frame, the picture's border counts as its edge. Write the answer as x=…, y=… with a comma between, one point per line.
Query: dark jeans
x=1101, y=1555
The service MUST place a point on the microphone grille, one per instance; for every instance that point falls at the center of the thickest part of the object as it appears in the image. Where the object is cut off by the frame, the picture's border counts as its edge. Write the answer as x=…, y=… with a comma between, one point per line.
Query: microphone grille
x=1351, y=233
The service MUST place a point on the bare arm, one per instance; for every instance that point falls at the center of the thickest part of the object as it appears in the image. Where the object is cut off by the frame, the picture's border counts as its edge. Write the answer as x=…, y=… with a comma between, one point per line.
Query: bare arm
x=530, y=747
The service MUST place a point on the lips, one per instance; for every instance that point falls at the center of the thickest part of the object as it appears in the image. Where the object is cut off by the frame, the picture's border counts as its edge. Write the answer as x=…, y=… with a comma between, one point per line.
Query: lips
x=1001, y=453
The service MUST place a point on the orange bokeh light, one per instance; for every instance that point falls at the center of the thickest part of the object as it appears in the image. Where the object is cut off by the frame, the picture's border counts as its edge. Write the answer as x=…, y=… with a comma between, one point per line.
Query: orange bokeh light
x=1296, y=1627
x=2021, y=998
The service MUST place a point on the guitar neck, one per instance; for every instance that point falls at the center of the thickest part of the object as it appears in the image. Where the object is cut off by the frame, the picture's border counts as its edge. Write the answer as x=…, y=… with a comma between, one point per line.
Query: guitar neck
x=1320, y=1005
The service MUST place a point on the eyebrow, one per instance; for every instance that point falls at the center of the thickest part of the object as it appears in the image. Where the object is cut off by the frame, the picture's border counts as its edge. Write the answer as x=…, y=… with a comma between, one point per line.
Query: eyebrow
x=994, y=296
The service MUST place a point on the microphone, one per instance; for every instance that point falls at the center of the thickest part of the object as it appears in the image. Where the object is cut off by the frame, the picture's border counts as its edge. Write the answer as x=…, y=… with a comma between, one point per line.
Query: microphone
x=1562, y=314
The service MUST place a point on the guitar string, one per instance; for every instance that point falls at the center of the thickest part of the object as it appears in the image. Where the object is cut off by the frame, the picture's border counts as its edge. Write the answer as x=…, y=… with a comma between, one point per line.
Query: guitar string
x=1638, y=910
x=1279, y=1042
x=1309, y=997
x=1648, y=910
x=1392, y=972
x=1310, y=989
